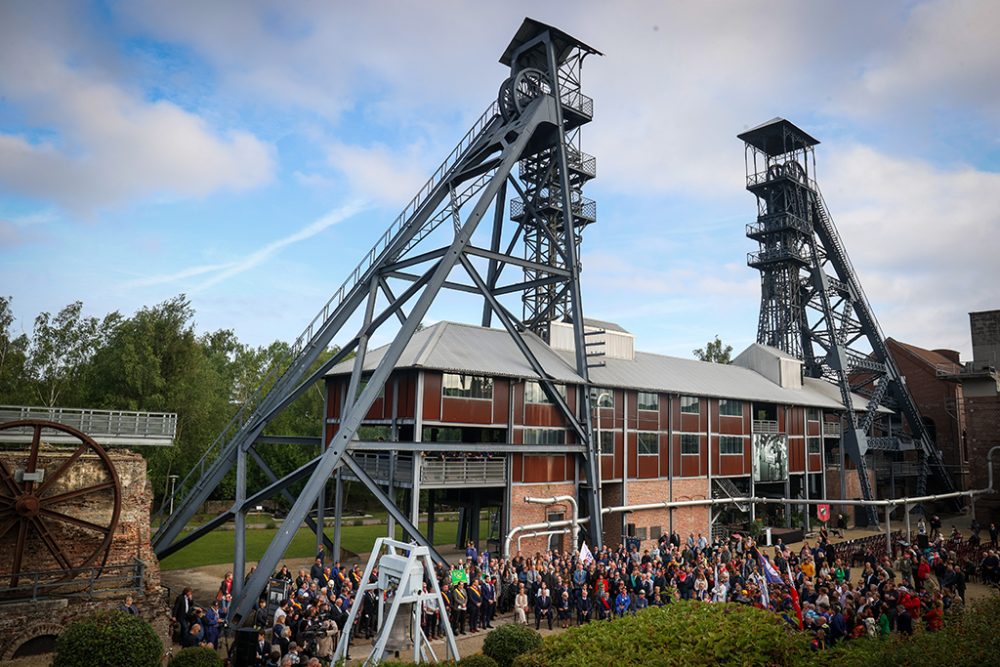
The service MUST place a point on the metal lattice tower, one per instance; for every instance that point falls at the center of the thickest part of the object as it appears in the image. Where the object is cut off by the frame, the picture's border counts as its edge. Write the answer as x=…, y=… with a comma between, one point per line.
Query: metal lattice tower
x=438, y=242
x=545, y=232
x=813, y=307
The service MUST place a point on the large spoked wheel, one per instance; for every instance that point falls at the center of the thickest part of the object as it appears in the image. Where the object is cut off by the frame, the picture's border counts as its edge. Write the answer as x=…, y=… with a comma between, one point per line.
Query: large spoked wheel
x=59, y=505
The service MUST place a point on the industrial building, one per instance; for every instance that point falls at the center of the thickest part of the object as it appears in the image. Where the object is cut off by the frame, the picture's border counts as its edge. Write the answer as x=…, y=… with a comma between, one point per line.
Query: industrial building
x=669, y=429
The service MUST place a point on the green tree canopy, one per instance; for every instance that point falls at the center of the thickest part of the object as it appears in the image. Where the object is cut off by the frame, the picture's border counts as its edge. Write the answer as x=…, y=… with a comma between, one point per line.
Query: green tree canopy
x=714, y=352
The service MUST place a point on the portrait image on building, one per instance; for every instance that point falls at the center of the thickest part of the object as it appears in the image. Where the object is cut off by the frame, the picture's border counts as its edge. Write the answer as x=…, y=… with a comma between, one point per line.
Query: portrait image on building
x=770, y=457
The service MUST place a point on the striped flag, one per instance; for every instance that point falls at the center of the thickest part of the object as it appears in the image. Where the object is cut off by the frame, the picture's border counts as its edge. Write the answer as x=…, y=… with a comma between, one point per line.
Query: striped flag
x=795, y=596
x=770, y=574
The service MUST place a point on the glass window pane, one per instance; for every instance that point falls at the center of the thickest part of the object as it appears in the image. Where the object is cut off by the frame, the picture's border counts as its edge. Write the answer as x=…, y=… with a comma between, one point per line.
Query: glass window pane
x=648, y=401
x=533, y=392
x=648, y=443
x=730, y=408
x=690, y=443
x=690, y=404
x=729, y=444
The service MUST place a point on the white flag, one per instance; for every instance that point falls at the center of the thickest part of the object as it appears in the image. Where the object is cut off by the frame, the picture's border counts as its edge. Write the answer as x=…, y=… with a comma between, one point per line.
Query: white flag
x=585, y=556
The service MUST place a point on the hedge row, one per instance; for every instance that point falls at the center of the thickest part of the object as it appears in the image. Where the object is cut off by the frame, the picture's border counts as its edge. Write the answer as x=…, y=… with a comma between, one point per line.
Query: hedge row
x=694, y=633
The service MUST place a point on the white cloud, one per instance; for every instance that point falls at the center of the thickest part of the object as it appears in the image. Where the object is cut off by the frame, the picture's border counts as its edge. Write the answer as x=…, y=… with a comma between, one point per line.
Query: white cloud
x=379, y=173
x=103, y=144
x=924, y=240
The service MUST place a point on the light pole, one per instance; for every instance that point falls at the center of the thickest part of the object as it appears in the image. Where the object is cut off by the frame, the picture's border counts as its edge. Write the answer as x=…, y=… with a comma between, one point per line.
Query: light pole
x=173, y=483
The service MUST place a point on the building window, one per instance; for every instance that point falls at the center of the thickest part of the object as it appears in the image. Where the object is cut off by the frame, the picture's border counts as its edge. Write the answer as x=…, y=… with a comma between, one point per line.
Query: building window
x=730, y=408
x=815, y=445
x=690, y=444
x=648, y=443
x=602, y=398
x=533, y=392
x=648, y=401
x=730, y=444
x=690, y=404
x=468, y=386
x=606, y=440
x=544, y=436
x=812, y=414
x=363, y=382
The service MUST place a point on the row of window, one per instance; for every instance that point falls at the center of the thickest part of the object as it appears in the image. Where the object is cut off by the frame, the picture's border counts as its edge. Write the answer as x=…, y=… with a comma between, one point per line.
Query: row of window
x=478, y=387
x=648, y=442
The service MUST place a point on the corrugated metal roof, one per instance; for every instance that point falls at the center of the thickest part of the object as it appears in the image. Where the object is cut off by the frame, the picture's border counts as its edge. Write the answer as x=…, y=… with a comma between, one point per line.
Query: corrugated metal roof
x=464, y=348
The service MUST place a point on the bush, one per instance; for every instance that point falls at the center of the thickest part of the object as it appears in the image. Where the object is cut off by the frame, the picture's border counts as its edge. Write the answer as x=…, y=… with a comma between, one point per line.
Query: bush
x=681, y=633
x=108, y=639
x=509, y=641
x=196, y=656
x=477, y=660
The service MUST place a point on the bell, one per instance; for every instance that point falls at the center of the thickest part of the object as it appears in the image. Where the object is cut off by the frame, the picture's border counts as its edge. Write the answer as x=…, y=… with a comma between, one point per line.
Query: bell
x=401, y=634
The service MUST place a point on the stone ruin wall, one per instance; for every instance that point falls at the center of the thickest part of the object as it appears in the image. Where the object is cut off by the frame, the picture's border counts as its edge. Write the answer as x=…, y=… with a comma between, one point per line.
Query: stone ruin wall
x=22, y=621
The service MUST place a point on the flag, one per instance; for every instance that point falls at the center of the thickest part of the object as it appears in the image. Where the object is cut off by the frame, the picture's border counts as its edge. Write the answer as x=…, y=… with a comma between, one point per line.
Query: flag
x=770, y=574
x=765, y=599
x=795, y=596
x=585, y=556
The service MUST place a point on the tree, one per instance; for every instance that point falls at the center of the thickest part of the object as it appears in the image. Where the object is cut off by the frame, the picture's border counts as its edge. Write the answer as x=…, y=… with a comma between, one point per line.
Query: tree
x=61, y=350
x=714, y=352
x=13, y=358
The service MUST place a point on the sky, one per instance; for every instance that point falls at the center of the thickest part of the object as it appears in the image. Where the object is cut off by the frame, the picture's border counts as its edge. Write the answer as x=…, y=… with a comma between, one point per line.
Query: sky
x=248, y=153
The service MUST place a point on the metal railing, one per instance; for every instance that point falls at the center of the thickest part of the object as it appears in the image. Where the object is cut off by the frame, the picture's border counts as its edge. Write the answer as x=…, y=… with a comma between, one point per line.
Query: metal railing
x=777, y=223
x=772, y=174
x=461, y=470
x=577, y=101
x=585, y=209
x=776, y=255
x=898, y=469
x=765, y=426
x=98, y=424
x=84, y=582
x=378, y=465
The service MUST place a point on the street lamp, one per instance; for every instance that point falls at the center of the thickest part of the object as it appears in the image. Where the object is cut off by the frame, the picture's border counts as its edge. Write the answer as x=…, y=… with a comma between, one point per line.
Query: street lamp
x=173, y=483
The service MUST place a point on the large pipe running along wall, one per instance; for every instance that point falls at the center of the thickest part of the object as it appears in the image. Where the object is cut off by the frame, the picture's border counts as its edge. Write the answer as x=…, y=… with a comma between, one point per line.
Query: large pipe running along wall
x=889, y=503
x=574, y=508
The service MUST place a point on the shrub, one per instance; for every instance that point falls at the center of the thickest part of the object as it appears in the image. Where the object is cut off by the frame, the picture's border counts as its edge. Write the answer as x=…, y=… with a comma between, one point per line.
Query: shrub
x=477, y=660
x=196, y=656
x=509, y=641
x=681, y=633
x=108, y=639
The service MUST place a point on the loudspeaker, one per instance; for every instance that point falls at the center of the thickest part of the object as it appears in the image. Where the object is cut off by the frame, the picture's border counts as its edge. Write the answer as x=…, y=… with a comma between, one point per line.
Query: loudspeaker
x=245, y=648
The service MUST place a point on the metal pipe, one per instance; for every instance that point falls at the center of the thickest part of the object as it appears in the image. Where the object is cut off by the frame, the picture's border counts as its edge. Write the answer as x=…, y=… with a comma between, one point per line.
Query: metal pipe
x=541, y=533
x=574, y=517
x=537, y=526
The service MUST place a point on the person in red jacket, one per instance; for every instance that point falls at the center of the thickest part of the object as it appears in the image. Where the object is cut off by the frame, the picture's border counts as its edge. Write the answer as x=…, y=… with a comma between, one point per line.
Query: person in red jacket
x=934, y=618
x=923, y=571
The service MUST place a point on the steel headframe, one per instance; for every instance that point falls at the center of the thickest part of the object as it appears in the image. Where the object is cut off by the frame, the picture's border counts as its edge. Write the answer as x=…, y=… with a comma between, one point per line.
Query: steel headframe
x=534, y=122
x=813, y=306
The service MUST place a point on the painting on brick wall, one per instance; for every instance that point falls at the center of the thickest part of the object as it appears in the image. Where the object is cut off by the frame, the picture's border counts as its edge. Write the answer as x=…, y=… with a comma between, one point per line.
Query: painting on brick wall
x=770, y=457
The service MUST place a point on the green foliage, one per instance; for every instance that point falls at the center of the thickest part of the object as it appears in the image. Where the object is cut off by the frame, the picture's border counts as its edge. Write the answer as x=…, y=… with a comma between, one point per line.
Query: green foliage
x=971, y=641
x=478, y=660
x=681, y=633
x=108, y=639
x=196, y=656
x=13, y=358
x=509, y=641
x=714, y=352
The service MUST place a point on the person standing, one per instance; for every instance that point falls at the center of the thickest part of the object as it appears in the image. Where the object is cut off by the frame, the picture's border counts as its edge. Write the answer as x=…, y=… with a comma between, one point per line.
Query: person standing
x=212, y=621
x=183, y=607
x=475, y=605
x=460, y=606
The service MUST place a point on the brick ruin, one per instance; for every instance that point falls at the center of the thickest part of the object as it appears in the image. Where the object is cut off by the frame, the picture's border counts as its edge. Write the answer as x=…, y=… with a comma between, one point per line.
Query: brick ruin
x=29, y=625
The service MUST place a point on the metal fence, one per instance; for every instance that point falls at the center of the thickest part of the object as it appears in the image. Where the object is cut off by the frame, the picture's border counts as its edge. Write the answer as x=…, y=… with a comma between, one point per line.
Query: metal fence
x=104, y=426
x=86, y=582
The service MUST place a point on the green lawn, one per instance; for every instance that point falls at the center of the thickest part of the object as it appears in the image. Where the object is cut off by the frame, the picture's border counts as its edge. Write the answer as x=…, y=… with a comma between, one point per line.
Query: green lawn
x=217, y=546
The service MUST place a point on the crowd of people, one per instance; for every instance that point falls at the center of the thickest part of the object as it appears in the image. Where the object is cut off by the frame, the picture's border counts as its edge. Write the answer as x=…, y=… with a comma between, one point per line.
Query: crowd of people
x=835, y=592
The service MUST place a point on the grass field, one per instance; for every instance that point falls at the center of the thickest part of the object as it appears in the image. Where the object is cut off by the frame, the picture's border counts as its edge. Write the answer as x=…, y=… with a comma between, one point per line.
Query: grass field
x=217, y=546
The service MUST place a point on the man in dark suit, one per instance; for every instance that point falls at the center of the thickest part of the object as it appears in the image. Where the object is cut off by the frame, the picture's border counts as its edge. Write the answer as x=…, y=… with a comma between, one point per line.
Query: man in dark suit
x=543, y=607
x=584, y=608
x=262, y=649
x=183, y=608
x=459, y=605
x=489, y=602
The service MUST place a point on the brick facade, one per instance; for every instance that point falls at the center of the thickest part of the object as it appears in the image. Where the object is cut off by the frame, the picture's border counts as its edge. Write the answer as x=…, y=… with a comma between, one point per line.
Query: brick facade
x=522, y=513
x=983, y=434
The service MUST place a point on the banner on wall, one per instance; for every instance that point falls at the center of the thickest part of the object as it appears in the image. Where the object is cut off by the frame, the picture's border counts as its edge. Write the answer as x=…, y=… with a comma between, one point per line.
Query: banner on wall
x=823, y=512
x=770, y=457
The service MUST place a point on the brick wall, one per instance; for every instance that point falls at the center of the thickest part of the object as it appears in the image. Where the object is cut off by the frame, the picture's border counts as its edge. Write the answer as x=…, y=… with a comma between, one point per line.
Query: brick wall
x=852, y=490
x=983, y=420
x=522, y=513
x=20, y=622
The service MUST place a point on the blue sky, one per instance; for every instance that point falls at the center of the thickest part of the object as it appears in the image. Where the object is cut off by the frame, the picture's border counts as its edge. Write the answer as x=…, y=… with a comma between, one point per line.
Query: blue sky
x=247, y=153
